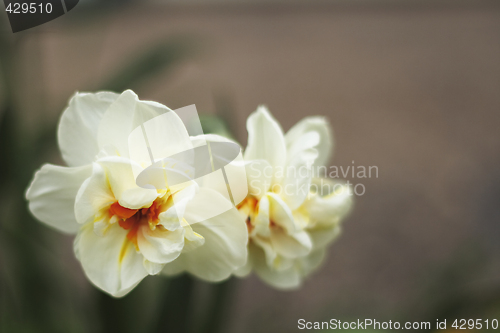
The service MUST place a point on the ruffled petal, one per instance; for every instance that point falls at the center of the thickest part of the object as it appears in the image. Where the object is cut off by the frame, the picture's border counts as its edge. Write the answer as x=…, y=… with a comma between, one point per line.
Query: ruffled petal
x=289, y=278
x=124, y=115
x=52, y=195
x=120, y=175
x=175, y=207
x=268, y=249
x=308, y=140
x=299, y=138
x=93, y=196
x=224, y=250
x=329, y=202
x=244, y=270
x=282, y=279
x=110, y=261
x=116, y=124
x=266, y=141
x=259, y=175
x=160, y=245
x=152, y=268
x=295, y=245
x=321, y=237
x=206, y=204
x=192, y=240
x=262, y=219
x=297, y=179
x=77, y=132
x=200, y=140
x=280, y=213
x=166, y=135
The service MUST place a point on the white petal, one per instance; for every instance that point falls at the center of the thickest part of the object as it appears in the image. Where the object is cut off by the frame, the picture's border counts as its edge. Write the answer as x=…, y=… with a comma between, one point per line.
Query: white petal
x=269, y=251
x=152, y=268
x=77, y=132
x=317, y=124
x=321, y=237
x=167, y=135
x=206, y=204
x=137, y=197
x=176, y=204
x=125, y=114
x=306, y=265
x=262, y=219
x=265, y=140
x=93, y=196
x=305, y=142
x=285, y=279
x=201, y=140
x=102, y=224
x=259, y=175
x=224, y=250
x=110, y=261
x=227, y=157
x=192, y=240
x=116, y=124
x=147, y=110
x=293, y=245
x=120, y=175
x=244, y=270
x=52, y=195
x=297, y=179
x=280, y=213
x=290, y=278
x=160, y=245
x=329, y=203
x=170, y=218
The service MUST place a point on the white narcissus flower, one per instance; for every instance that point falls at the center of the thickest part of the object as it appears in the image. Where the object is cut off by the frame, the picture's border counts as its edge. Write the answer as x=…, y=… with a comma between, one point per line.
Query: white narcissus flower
x=125, y=232
x=291, y=215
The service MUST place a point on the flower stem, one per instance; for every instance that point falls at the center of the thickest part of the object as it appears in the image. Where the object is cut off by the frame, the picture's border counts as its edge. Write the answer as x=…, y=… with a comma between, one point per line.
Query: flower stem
x=219, y=306
x=175, y=309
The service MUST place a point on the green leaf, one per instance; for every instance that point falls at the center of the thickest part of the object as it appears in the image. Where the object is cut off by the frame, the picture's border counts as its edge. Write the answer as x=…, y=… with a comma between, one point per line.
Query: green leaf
x=214, y=125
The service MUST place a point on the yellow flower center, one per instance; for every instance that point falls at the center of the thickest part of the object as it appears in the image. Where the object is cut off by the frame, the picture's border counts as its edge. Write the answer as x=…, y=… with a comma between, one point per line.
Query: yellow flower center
x=249, y=207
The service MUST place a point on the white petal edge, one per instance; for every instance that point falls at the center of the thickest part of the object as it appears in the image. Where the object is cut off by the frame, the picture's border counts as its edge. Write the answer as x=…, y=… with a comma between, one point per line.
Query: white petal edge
x=330, y=204
x=52, y=194
x=224, y=250
x=259, y=175
x=265, y=140
x=120, y=175
x=110, y=262
x=297, y=179
x=160, y=246
x=93, y=196
x=320, y=125
x=77, y=131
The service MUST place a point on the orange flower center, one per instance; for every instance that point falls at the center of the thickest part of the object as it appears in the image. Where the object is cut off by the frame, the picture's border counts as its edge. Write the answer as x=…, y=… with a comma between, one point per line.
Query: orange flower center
x=132, y=219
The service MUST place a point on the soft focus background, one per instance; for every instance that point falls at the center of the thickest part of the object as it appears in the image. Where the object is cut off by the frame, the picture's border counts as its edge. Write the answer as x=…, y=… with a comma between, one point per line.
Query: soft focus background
x=412, y=87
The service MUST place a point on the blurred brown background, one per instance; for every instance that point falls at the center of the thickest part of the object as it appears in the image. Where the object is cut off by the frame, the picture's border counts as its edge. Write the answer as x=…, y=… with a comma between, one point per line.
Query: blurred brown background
x=412, y=88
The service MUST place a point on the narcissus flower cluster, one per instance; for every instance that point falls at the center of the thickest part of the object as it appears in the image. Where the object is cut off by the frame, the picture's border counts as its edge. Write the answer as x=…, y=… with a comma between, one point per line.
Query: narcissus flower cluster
x=125, y=232
x=291, y=215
